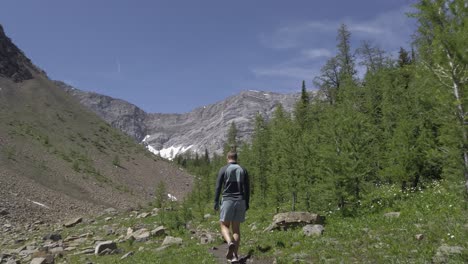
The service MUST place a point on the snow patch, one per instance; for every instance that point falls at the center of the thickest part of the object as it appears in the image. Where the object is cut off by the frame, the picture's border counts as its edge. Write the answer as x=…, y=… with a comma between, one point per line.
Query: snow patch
x=40, y=204
x=171, y=197
x=169, y=153
x=255, y=91
x=146, y=138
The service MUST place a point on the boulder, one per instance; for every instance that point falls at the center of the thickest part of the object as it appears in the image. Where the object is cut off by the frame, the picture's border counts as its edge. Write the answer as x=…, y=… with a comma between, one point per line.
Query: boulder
x=444, y=252
x=143, y=215
x=73, y=222
x=206, y=238
x=313, y=230
x=392, y=215
x=103, y=246
x=38, y=261
x=159, y=231
x=141, y=235
x=168, y=241
x=52, y=236
x=284, y=221
x=3, y=211
x=110, y=211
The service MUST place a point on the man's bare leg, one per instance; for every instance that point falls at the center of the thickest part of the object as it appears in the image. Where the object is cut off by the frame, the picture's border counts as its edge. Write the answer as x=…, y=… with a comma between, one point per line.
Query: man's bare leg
x=225, y=231
x=236, y=236
x=227, y=236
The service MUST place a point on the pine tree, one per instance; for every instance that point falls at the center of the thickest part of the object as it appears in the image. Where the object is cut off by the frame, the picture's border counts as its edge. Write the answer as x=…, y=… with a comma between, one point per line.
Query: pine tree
x=442, y=42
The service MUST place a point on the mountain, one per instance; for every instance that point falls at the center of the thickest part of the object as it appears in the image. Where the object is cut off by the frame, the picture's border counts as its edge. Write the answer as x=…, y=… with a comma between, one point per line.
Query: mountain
x=58, y=159
x=204, y=127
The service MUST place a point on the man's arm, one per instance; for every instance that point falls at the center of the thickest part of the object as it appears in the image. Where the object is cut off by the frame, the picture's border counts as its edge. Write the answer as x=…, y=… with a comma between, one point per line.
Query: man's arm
x=219, y=184
x=247, y=189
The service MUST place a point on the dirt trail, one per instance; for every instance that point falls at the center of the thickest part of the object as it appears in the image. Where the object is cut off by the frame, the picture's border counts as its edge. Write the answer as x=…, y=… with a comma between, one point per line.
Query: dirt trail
x=220, y=254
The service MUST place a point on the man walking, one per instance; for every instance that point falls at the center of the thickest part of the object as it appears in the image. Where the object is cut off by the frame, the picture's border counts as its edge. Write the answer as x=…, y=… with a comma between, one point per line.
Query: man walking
x=233, y=180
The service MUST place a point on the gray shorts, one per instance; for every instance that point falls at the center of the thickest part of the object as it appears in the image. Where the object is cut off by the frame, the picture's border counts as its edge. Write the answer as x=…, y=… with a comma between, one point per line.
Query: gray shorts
x=232, y=211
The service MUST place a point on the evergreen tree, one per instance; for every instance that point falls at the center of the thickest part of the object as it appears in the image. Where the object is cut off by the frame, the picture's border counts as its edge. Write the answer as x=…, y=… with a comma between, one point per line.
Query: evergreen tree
x=442, y=42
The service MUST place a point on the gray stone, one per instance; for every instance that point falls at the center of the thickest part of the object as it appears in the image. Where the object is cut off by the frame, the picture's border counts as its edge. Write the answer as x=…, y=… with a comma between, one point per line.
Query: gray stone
x=159, y=231
x=57, y=250
x=52, y=236
x=294, y=219
x=38, y=261
x=103, y=246
x=206, y=216
x=419, y=237
x=3, y=211
x=143, y=215
x=172, y=241
x=131, y=253
x=206, y=238
x=110, y=211
x=444, y=252
x=392, y=215
x=141, y=235
x=313, y=230
x=73, y=222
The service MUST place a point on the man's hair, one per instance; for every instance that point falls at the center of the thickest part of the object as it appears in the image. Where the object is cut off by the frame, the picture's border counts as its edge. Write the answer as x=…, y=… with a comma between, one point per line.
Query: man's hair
x=232, y=155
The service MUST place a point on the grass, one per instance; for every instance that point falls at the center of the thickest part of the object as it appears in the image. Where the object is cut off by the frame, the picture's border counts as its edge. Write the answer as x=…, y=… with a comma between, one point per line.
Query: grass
x=437, y=211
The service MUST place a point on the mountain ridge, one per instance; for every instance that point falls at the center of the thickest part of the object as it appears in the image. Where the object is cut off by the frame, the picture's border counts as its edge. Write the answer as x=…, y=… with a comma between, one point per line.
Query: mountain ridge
x=205, y=127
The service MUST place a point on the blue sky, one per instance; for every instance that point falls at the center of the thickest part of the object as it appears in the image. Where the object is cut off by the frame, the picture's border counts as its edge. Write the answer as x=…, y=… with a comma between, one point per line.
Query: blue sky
x=173, y=56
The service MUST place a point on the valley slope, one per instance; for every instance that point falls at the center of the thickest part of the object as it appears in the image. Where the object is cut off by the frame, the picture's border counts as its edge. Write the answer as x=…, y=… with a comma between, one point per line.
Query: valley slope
x=58, y=159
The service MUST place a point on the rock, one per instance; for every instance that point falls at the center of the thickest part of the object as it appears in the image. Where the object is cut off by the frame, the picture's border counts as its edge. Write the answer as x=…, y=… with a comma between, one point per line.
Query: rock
x=206, y=238
x=143, y=215
x=38, y=261
x=293, y=219
x=73, y=222
x=3, y=211
x=159, y=231
x=172, y=241
x=161, y=248
x=108, y=230
x=444, y=252
x=129, y=231
x=56, y=251
x=110, y=211
x=52, y=236
x=206, y=216
x=107, y=219
x=141, y=235
x=86, y=251
x=127, y=255
x=313, y=230
x=419, y=236
x=392, y=215
x=103, y=246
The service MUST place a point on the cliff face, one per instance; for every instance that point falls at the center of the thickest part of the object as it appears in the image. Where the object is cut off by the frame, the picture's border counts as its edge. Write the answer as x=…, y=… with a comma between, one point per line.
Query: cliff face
x=120, y=114
x=204, y=127
x=14, y=64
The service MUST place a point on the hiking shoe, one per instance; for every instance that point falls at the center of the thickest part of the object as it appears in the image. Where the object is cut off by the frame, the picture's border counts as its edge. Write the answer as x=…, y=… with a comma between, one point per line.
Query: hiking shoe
x=230, y=252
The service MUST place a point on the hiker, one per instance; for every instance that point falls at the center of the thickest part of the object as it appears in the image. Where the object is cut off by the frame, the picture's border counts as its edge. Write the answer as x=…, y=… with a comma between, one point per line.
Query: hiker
x=234, y=182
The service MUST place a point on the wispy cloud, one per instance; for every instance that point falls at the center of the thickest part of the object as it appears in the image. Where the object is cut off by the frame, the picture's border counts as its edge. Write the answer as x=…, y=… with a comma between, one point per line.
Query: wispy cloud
x=316, y=53
x=304, y=42
x=289, y=72
x=387, y=29
x=118, y=66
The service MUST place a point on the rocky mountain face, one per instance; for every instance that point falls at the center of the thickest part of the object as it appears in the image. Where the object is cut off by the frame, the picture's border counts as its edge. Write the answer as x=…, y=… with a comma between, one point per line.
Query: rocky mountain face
x=58, y=159
x=120, y=114
x=13, y=63
x=204, y=127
